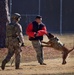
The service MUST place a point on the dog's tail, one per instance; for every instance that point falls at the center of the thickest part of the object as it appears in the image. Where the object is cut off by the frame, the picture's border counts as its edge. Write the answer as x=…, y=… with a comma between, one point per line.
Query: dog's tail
x=71, y=50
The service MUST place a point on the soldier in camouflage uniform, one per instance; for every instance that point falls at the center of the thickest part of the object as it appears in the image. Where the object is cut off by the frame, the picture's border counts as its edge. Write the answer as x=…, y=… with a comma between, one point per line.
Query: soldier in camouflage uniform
x=14, y=41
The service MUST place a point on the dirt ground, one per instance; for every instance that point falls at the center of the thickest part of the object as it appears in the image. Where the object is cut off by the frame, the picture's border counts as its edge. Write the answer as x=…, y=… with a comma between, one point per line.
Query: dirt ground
x=53, y=67
x=30, y=66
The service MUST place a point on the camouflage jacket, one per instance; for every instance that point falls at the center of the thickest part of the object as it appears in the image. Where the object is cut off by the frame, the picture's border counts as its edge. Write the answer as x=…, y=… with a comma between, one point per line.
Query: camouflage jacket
x=14, y=30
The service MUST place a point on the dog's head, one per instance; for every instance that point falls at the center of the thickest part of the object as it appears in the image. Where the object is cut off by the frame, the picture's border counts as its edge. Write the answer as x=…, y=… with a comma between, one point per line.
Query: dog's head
x=49, y=35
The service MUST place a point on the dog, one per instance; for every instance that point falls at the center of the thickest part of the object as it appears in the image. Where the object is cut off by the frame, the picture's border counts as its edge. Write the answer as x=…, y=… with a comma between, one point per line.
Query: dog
x=55, y=43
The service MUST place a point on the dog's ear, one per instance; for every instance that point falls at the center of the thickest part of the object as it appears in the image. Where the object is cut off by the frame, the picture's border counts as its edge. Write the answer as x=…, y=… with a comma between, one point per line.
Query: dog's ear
x=49, y=35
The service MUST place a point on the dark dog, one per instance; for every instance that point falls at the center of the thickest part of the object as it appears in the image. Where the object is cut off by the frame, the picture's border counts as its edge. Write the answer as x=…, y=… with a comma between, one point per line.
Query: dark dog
x=56, y=44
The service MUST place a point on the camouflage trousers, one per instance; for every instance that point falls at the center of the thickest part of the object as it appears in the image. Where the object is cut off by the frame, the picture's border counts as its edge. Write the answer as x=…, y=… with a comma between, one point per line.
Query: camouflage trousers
x=13, y=48
x=38, y=48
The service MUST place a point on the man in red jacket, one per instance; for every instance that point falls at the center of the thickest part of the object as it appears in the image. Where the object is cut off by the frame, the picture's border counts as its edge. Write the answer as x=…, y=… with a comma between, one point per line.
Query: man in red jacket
x=35, y=30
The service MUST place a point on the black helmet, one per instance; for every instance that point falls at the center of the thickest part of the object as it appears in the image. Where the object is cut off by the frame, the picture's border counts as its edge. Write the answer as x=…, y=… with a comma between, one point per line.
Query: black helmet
x=16, y=15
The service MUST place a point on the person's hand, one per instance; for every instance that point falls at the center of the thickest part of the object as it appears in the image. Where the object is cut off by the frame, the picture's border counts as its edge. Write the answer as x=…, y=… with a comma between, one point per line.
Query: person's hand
x=36, y=35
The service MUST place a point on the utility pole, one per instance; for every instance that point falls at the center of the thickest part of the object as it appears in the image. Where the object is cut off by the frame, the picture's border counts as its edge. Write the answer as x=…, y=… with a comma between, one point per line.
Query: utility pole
x=61, y=17
x=39, y=6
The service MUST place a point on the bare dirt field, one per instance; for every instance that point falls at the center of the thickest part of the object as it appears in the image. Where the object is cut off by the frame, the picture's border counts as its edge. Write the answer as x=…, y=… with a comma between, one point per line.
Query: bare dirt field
x=30, y=66
x=53, y=67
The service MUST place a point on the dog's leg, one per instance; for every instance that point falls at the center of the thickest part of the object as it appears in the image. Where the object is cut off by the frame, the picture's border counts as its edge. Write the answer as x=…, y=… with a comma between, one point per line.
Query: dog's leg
x=46, y=45
x=65, y=54
x=45, y=42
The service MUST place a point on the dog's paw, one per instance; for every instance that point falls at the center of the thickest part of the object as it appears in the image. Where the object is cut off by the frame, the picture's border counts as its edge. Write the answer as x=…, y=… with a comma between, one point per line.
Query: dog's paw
x=63, y=63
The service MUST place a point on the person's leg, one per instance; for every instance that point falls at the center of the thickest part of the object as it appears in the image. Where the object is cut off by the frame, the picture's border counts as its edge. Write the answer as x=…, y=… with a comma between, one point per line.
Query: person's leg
x=38, y=48
x=7, y=59
x=17, y=57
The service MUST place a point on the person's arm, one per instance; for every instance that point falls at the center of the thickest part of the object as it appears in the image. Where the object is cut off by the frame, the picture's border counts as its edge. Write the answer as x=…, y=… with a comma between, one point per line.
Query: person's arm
x=20, y=34
x=29, y=30
x=42, y=31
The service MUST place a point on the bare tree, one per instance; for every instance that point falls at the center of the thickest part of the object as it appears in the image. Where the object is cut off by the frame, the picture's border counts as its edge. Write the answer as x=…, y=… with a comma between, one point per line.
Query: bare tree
x=4, y=19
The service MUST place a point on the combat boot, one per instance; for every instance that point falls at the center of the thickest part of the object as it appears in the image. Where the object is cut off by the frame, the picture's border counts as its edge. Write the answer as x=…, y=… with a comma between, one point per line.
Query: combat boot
x=3, y=66
x=17, y=66
x=42, y=63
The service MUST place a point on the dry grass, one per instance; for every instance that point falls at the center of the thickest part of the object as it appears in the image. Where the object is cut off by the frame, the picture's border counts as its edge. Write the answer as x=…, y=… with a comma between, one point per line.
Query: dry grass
x=28, y=53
